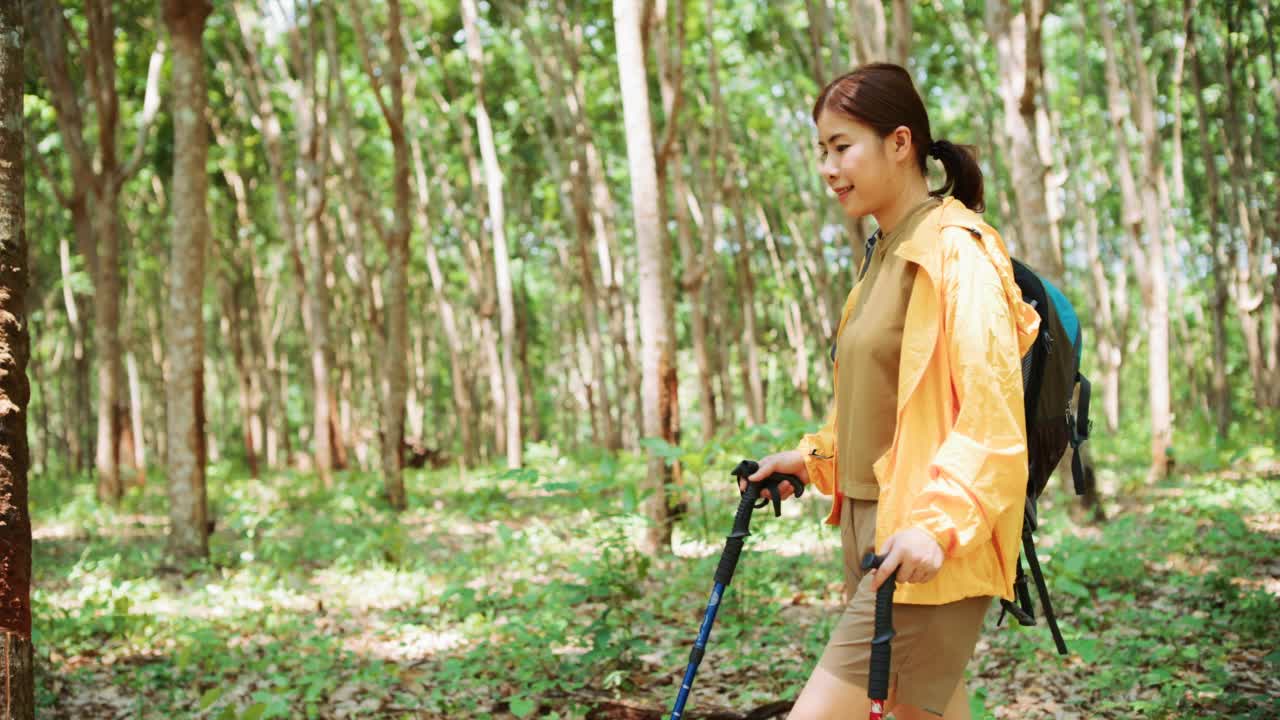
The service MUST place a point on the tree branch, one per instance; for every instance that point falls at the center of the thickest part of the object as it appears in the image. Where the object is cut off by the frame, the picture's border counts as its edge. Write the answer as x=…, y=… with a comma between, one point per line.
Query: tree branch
x=150, y=107
x=366, y=61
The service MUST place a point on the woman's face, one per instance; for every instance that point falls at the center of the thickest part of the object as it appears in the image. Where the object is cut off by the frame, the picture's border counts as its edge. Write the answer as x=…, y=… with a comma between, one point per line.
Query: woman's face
x=856, y=164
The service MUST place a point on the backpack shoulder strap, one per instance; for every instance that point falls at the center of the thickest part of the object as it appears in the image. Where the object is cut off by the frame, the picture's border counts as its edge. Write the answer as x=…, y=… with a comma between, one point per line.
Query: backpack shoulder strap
x=1079, y=433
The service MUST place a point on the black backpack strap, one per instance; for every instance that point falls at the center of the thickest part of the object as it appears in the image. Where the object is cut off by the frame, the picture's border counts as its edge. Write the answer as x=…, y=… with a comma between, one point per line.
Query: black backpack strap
x=870, y=245
x=1080, y=433
x=1082, y=413
x=1022, y=611
x=1029, y=549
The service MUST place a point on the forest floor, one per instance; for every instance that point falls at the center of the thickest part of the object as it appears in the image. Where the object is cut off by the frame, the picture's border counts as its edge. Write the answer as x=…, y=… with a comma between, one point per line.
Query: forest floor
x=520, y=594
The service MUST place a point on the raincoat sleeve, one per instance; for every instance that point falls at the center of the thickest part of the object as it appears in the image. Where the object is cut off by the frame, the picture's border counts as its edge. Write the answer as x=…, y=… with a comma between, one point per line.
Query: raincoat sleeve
x=980, y=471
x=819, y=450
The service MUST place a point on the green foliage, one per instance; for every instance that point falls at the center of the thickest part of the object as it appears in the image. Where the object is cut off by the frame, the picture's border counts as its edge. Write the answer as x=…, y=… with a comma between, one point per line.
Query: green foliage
x=515, y=594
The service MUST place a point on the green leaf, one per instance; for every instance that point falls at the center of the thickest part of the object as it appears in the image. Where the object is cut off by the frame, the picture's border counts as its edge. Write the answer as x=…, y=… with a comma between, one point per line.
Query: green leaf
x=254, y=712
x=522, y=707
x=1071, y=587
x=210, y=697
x=1087, y=649
x=571, y=486
x=661, y=448
x=1274, y=657
x=523, y=475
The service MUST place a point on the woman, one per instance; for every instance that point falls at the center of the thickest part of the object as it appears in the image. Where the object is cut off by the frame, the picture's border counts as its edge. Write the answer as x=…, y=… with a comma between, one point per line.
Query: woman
x=924, y=451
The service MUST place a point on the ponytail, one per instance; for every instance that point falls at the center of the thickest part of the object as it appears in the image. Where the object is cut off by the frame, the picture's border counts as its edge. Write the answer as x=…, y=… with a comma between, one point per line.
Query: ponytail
x=964, y=177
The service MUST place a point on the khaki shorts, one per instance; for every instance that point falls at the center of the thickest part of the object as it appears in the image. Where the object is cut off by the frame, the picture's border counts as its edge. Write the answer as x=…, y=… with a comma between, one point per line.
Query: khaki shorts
x=932, y=644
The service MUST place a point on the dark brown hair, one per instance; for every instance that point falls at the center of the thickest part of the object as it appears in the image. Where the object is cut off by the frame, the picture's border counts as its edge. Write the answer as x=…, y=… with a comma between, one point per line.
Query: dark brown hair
x=882, y=96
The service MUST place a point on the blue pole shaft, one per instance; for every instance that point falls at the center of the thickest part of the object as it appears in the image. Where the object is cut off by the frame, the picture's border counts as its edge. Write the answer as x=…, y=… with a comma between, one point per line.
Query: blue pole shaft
x=699, y=647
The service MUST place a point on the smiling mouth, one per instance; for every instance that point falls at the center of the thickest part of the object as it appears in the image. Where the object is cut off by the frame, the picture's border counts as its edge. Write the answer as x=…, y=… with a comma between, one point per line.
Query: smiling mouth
x=842, y=192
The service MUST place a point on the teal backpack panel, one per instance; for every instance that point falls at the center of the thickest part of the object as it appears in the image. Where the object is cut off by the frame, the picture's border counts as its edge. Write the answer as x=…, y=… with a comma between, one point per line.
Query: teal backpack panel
x=1066, y=314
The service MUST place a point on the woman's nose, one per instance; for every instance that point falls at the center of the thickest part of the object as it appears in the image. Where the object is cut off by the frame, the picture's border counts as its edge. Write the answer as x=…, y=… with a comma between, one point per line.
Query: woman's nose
x=827, y=167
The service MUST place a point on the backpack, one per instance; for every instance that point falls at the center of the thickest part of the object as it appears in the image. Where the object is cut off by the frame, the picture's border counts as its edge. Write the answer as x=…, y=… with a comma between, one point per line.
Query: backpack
x=1050, y=376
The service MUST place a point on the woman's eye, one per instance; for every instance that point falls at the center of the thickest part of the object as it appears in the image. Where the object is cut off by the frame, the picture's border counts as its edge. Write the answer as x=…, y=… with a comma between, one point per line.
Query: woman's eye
x=841, y=148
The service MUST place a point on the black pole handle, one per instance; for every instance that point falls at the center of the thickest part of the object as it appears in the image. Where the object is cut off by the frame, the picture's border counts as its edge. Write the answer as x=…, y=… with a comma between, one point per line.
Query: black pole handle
x=741, y=529
x=749, y=502
x=746, y=468
x=878, y=679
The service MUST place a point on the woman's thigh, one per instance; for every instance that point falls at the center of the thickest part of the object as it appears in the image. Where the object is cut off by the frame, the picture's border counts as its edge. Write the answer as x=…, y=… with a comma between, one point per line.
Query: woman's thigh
x=827, y=697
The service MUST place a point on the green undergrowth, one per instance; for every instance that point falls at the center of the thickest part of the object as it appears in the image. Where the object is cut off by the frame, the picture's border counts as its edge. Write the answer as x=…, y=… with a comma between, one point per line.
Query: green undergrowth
x=523, y=594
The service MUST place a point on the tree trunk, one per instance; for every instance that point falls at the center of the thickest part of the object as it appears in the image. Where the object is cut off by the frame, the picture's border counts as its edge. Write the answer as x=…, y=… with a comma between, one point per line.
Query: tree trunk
x=659, y=378
x=1144, y=217
x=868, y=30
x=694, y=286
x=1249, y=289
x=106, y=342
x=902, y=29
x=497, y=216
x=97, y=179
x=136, y=415
x=240, y=303
x=15, y=390
x=575, y=183
x=753, y=384
x=76, y=417
x=1159, y=231
x=1018, y=49
x=244, y=373
x=1109, y=313
x=396, y=239
x=1220, y=393
x=793, y=321
x=184, y=329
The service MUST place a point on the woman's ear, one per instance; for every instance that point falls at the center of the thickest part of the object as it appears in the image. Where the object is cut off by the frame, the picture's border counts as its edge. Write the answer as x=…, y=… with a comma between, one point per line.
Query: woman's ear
x=899, y=145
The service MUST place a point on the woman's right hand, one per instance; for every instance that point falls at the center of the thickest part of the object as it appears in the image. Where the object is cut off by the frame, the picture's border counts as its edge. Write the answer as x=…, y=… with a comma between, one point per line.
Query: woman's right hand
x=790, y=462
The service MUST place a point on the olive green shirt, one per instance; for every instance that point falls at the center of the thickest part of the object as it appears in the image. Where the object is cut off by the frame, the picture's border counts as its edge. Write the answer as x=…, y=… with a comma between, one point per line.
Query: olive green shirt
x=868, y=350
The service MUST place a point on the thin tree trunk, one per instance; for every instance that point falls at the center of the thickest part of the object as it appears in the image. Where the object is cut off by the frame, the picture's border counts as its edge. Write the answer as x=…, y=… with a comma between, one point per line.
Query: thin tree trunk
x=15, y=390
x=97, y=179
x=1159, y=233
x=659, y=379
x=136, y=414
x=1110, y=309
x=902, y=29
x=576, y=187
x=868, y=30
x=244, y=375
x=1143, y=217
x=1219, y=391
x=184, y=330
x=270, y=426
x=694, y=286
x=76, y=417
x=793, y=321
x=753, y=384
x=1018, y=49
x=308, y=245
x=396, y=239
x=1249, y=289
x=497, y=216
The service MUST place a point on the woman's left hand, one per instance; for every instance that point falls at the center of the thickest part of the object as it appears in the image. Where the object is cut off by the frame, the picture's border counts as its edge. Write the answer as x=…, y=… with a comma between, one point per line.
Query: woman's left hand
x=913, y=553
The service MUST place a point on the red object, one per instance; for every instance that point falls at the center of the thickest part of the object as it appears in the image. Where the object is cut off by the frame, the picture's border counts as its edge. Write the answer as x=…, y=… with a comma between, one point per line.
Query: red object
x=877, y=710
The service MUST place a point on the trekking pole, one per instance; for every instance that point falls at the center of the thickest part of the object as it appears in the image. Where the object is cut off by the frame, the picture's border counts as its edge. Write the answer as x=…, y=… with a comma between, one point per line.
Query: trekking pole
x=729, y=561
x=878, y=678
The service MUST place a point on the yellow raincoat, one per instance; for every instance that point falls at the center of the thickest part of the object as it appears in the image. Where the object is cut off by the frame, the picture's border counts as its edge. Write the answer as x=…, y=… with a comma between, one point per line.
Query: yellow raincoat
x=957, y=467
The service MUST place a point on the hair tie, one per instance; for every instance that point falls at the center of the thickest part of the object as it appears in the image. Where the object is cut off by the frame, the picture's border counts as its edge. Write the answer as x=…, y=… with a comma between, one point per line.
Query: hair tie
x=935, y=149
